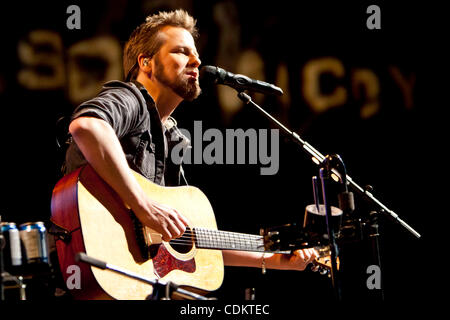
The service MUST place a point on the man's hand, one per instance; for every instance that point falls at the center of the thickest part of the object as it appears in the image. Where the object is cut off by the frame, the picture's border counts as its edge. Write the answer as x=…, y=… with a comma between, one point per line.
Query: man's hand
x=298, y=260
x=301, y=258
x=162, y=219
x=101, y=148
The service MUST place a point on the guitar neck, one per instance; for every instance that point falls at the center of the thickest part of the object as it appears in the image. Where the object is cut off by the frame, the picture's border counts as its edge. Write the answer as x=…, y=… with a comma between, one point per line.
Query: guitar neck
x=226, y=240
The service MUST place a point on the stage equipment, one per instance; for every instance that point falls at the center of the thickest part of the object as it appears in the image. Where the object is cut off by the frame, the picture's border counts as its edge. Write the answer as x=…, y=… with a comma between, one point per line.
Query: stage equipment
x=161, y=290
x=331, y=167
x=216, y=75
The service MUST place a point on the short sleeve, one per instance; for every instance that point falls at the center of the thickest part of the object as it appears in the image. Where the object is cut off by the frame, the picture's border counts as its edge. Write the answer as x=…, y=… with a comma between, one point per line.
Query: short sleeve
x=118, y=106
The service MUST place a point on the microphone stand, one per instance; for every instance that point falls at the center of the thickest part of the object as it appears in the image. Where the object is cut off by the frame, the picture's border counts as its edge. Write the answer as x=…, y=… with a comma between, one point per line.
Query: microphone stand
x=318, y=158
x=374, y=241
x=325, y=176
x=327, y=171
x=2, y=267
x=161, y=290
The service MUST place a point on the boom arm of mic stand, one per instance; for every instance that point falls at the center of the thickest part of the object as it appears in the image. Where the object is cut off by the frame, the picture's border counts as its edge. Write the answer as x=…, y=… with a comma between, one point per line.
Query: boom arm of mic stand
x=315, y=154
x=369, y=196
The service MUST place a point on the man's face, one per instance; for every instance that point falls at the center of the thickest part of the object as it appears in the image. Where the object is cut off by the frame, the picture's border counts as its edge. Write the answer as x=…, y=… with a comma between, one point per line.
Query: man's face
x=177, y=62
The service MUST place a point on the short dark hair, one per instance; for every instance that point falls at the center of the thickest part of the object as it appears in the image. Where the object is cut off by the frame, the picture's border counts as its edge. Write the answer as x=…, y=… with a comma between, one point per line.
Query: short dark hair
x=145, y=38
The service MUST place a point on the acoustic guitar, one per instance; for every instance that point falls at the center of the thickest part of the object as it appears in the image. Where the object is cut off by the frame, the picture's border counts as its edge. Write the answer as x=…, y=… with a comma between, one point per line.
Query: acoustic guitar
x=97, y=222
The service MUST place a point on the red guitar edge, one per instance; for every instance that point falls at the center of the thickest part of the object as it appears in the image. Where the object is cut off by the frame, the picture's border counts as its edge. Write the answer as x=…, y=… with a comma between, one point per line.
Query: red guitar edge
x=65, y=214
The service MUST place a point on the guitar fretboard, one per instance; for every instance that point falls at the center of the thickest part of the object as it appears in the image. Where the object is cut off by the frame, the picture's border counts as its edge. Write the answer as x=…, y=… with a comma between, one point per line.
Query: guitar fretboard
x=225, y=240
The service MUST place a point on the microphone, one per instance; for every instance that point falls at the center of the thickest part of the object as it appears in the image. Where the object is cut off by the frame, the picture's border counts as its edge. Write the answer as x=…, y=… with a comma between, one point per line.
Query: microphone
x=216, y=75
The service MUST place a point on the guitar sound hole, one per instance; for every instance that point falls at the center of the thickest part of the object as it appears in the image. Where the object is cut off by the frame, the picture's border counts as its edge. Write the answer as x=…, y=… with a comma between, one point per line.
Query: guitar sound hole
x=185, y=243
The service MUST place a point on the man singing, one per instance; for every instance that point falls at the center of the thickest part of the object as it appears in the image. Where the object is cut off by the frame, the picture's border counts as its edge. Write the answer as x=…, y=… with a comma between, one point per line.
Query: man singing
x=128, y=125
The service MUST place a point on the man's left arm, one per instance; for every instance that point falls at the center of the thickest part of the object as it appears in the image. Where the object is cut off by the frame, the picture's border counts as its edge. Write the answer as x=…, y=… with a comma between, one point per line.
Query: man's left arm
x=298, y=260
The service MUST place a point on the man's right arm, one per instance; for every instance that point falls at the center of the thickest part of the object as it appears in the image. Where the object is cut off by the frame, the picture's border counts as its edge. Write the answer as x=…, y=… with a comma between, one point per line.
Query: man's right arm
x=101, y=148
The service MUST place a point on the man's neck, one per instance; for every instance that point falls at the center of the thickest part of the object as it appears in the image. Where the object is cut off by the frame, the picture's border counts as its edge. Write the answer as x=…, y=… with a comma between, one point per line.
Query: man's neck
x=166, y=100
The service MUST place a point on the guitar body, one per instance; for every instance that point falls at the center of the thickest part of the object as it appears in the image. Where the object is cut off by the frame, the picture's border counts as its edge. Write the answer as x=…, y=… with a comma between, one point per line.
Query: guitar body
x=103, y=227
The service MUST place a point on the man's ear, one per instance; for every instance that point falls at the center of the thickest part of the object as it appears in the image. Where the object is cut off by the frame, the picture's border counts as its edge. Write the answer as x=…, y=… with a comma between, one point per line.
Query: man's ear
x=144, y=63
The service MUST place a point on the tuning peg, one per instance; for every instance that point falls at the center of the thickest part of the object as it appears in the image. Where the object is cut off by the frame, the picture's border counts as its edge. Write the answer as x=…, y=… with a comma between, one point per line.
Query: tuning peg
x=323, y=271
x=315, y=267
x=273, y=233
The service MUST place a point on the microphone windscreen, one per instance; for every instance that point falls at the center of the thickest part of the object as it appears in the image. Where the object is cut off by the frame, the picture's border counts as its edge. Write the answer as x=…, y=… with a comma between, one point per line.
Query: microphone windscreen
x=208, y=74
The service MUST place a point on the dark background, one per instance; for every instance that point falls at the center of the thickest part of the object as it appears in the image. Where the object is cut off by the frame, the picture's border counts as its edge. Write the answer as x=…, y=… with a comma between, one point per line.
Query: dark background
x=399, y=150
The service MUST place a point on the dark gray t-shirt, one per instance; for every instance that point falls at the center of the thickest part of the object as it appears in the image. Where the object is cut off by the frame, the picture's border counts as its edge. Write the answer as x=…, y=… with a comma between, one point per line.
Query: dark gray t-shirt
x=147, y=144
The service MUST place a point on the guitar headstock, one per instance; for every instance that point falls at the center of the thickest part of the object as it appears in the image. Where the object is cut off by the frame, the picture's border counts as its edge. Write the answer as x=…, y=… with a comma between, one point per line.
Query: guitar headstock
x=290, y=237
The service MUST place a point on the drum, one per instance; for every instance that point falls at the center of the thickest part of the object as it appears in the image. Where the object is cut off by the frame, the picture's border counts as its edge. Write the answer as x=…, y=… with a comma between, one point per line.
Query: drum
x=12, y=254
x=35, y=244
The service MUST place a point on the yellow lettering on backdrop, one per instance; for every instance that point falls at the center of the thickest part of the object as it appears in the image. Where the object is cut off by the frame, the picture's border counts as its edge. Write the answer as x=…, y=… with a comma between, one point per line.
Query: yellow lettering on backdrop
x=312, y=71
x=91, y=63
x=42, y=60
x=366, y=87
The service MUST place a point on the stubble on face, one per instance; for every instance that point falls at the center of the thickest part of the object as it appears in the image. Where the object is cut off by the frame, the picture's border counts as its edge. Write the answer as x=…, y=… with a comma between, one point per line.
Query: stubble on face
x=186, y=87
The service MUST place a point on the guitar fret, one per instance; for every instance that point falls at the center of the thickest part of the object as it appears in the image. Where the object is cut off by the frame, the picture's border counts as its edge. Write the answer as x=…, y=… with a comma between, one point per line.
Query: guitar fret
x=217, y=239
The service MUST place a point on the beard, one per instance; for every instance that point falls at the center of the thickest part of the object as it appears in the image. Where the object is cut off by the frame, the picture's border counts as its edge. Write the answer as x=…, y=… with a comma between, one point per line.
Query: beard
x=186, y=87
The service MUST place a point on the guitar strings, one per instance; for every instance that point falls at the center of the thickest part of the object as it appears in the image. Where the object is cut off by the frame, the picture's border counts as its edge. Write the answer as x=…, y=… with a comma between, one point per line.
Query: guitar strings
x=217, y=237
x=222, y=245
x=221, y=233
x=187, y=239
x=190, y=240
x=190, y=243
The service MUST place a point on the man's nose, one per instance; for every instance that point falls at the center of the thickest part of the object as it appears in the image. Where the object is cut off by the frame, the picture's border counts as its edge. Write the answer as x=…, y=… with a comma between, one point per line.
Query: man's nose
x=195, y=61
